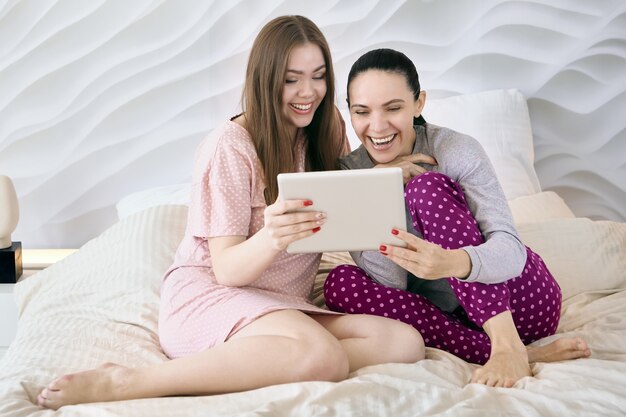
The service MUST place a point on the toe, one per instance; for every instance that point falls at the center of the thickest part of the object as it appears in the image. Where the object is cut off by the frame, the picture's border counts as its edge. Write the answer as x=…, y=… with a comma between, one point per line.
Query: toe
x=509, y=382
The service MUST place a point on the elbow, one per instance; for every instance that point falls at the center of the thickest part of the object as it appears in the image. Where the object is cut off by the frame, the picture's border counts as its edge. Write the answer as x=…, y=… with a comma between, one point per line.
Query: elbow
x=223, y=277
x=521, y=259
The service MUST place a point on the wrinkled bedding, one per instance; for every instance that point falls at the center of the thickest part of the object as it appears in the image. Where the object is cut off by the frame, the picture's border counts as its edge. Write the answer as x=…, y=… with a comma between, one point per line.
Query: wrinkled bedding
x=101, y=304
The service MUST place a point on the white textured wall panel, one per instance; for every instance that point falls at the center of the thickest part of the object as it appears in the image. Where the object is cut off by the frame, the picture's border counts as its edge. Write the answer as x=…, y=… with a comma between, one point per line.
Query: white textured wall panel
x=102, y=98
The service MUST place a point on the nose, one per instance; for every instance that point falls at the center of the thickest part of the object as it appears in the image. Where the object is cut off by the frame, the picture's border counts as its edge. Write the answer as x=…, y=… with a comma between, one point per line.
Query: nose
x=306, y=88
x=378, y=122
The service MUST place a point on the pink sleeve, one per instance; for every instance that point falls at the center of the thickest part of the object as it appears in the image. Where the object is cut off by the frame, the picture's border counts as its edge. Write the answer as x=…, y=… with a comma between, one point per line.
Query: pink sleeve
x=221, y=191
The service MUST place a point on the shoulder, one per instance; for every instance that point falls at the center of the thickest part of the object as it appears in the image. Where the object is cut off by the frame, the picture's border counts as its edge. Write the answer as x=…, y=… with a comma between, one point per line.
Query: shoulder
x=229, y=137
x=453, y=147
x=358, y=158
x=225, y=145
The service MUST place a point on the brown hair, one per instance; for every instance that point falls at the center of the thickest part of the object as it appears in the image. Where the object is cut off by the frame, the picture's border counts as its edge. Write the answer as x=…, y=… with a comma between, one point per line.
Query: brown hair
x=262, y=99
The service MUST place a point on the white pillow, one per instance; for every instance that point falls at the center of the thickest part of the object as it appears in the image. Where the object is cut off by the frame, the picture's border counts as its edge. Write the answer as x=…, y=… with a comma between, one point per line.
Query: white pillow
x=499, y=120
x=582, y=254
x=541, y=206
x=177, y=194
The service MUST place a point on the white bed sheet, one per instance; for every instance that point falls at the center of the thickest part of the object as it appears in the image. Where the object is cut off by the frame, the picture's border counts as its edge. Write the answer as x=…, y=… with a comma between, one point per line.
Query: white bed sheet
x=101, y=304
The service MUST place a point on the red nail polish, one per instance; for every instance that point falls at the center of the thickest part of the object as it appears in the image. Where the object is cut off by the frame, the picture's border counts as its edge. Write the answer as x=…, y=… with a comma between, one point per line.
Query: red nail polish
x=394, y=231
x=317, y=229
x=383, y=248
x=308, y=203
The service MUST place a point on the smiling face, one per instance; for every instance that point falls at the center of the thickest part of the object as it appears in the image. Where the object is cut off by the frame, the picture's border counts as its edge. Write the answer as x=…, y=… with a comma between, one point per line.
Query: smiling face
x=305, y=84
x=382, y=108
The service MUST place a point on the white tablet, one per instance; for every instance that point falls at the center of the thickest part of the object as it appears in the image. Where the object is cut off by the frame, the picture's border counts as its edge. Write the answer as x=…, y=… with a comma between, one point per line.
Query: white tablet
x=362, y=206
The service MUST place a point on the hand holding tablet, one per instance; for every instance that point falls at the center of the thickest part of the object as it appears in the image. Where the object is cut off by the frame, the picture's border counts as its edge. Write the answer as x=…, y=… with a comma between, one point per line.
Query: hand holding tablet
x=361, y=206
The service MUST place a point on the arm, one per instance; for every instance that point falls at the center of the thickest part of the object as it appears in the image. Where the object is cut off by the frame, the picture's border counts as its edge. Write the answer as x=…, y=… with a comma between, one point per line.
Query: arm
x=281, y=228
x=226, y=197
x=503, y=255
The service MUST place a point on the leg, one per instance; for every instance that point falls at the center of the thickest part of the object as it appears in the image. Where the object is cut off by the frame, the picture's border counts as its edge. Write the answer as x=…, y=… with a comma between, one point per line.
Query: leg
x=525, y=308
x=280, y=347
x=372, y=340
x=348, y=289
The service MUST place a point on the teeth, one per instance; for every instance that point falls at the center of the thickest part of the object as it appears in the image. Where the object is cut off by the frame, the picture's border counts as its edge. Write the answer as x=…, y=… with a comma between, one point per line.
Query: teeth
x=382, y=141
x=302, y=106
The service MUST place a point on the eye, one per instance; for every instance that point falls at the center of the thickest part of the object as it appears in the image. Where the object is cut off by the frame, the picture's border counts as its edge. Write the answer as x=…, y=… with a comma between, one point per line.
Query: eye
x=361, y=113
x=320, y=77
x=394, y=108
x=290, y=81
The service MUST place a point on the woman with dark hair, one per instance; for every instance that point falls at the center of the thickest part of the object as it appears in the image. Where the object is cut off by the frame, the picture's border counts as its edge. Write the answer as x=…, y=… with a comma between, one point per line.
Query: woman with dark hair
x=465, y=280
x=234, y=309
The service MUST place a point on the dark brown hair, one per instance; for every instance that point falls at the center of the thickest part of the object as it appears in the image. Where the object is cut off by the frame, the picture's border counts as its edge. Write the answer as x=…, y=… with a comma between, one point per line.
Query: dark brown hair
x=388, y=60
x=262, y=100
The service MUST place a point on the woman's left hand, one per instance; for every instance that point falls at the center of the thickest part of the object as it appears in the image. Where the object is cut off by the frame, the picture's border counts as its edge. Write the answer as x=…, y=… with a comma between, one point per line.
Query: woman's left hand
x=427, y=260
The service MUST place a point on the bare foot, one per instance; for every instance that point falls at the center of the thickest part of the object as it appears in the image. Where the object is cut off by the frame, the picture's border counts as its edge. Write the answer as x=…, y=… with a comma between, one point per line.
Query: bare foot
x=560, y=350
x=108, y=382
x=503, y=369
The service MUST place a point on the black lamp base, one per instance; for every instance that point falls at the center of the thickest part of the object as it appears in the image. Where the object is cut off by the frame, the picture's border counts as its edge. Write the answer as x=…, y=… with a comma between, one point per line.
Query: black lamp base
x=11, y=263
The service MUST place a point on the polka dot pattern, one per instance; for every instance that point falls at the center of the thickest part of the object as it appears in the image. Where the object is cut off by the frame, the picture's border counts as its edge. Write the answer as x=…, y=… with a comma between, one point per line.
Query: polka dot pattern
x=439, y=211
x=227, y=200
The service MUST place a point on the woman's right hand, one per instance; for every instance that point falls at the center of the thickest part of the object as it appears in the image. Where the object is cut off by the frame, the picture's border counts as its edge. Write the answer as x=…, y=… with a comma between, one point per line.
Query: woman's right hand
x=409, y=166
x=285, y=225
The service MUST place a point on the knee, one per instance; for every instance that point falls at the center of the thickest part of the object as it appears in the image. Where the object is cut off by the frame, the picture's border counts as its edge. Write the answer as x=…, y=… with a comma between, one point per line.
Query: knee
x=428, y=188
x=334, y=284
x=406, y=344
x=321, y=360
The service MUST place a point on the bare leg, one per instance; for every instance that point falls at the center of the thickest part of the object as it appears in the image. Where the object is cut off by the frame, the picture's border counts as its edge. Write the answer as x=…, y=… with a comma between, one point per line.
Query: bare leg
x=371, y=340
x=509, y=360
x=280, y=347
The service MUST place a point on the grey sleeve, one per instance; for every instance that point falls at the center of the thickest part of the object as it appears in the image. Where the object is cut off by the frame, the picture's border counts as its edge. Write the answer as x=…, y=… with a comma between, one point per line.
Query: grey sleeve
x=381, y=269
x=503, y=255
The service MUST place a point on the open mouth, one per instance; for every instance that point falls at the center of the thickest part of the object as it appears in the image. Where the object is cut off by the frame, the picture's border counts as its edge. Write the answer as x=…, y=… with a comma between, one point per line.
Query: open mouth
x=382, y=141
x=301, y=107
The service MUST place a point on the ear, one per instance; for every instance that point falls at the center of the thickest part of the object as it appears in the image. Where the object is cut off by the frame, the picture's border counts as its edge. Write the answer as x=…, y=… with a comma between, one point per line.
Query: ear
x=419, y=104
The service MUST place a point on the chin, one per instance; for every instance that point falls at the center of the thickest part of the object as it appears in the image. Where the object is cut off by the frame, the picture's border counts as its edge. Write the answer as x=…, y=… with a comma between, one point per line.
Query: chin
x=380, y=157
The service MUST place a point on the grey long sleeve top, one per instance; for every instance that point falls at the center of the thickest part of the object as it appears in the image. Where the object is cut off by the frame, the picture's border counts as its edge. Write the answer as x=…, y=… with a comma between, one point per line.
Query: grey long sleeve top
x=463, y=159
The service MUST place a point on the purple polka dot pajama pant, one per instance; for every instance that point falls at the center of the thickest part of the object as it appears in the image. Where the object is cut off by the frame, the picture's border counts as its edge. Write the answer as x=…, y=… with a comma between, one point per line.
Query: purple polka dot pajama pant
x=439, y=211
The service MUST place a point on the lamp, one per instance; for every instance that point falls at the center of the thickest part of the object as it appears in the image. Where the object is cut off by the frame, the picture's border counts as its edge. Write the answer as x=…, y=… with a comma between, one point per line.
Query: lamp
x=10, y=252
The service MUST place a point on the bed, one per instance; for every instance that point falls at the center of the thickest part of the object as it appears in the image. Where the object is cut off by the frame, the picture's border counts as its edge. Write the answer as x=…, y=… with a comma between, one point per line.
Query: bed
x=101, y=305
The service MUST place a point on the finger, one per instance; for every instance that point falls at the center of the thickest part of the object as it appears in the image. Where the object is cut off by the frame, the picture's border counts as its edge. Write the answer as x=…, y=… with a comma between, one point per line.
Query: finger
x=422, y=158
x=298, y=232
x=291, y=223
x=401, y=254
x=411, y=240
x=285, y=206
x=286, y=240
x=417, y=170
x=404, y=263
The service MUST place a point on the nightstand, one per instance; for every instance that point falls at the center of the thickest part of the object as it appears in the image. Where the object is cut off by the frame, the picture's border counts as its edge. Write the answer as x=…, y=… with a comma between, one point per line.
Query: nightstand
x=33, y=260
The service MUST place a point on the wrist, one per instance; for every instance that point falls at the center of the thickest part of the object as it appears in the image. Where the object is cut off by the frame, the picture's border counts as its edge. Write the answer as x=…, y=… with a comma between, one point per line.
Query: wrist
x=268, y=242
x=461, y=264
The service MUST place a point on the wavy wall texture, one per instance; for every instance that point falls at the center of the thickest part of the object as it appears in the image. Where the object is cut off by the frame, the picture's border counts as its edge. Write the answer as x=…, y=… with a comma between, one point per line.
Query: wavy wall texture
x=102, y=98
